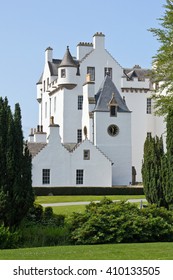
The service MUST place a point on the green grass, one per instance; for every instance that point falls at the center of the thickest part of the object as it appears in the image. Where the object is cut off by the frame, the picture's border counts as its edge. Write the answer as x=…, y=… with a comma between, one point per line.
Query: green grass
x=69, y=198
x=68, y=210
x=141, y=251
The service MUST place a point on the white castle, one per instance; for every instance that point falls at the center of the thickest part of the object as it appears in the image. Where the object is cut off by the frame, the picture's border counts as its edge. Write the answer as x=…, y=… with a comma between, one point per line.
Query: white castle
x=94, y=117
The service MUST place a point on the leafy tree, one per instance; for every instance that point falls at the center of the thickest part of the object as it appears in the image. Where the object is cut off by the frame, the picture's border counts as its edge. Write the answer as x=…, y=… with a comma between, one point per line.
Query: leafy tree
x=162, y=61
x=16, y=194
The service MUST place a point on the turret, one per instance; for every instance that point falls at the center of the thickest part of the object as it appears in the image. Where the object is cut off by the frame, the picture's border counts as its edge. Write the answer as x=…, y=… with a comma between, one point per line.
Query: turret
x=68, y=71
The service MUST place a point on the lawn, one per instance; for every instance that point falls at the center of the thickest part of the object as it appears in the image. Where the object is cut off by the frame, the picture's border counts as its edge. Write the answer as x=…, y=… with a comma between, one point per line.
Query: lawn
x=141, y=251
x=71, y=198
x=68, y=210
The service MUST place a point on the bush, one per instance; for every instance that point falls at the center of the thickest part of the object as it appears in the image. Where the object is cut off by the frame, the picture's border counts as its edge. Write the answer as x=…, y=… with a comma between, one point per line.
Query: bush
x=43, y=191
x=108, y=222
x=39, y=236
x=35, y=213
x=48, y=213
x=8, y=240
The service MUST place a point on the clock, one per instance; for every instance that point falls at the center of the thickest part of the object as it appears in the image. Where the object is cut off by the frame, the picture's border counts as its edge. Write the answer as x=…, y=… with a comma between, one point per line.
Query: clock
x=113, y=130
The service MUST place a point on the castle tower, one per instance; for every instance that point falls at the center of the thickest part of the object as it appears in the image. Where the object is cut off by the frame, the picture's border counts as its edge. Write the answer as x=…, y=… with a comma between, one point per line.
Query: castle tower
x=67, y=71
x=112, y=131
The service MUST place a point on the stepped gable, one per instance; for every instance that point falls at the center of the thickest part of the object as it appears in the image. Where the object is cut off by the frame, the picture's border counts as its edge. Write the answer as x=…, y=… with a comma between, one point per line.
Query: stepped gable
x=35, y=148
x=104, y=95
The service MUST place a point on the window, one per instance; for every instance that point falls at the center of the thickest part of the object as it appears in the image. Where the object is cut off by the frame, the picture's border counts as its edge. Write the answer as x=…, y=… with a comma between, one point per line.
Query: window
x=79, y=135
x=79, y=177
x=148, y=105
x=80, y=102
x=86, y=154
x=46, y=176
x=45, y=109
x=47, y=83
x=108, y=71
x=91, y=71
x=44, y=85
x=149, y=135
x=55, y=104
x=63, y=74
x=113, y=111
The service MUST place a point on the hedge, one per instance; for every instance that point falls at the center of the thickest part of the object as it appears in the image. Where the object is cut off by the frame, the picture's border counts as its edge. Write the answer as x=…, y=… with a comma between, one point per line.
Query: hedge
x=43, y=191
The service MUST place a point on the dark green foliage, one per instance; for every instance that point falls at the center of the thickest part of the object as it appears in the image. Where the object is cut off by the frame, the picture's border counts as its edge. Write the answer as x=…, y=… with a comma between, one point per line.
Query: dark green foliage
x=109, y=222
x=168, y=161
x=35, y=213
x=152, y=172
x=43, y=228
x=16, y=194
x=42, y=191
x=163, y=66
x=48, y=213
x=8, y=239
x=39, y=235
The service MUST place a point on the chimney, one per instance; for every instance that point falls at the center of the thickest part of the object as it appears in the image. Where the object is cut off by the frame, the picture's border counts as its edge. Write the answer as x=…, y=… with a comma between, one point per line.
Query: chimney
x=99, y=40
x=48, y=54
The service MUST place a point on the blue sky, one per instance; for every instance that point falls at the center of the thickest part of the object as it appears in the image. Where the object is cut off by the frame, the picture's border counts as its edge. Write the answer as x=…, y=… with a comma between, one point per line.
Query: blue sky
x=27, y=28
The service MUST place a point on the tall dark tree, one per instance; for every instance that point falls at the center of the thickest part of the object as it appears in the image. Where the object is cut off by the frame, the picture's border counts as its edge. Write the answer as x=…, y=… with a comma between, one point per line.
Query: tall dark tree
x=16, y=194
x=168, y=168
x=152, y=171
x=162, y=61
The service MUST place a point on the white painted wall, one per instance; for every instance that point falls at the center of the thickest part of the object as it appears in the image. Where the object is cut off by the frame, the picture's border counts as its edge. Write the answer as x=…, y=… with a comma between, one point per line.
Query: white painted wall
x=93, y=168
x=63, y=164
x=117, y=148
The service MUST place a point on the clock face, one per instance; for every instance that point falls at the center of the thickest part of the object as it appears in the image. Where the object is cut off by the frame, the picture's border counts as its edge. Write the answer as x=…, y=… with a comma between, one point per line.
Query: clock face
x=113, y=130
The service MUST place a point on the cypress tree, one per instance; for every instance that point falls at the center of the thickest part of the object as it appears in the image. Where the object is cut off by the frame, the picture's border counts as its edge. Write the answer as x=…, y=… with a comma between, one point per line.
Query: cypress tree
x=168, y=187
x=151, y=171
x=16, y=195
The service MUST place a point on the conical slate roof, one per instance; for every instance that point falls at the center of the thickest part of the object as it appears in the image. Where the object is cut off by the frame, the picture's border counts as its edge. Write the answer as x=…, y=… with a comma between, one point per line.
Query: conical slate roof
x=67, y=60
x=104, y=96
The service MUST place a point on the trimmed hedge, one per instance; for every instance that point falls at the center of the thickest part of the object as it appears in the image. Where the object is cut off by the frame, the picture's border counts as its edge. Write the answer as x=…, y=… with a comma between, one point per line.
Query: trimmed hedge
x=43, y=191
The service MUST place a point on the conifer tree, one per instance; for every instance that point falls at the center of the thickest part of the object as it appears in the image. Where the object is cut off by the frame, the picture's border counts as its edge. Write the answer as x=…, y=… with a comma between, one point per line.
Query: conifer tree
x=168, y=167
x=16, y=194
x=151, y=171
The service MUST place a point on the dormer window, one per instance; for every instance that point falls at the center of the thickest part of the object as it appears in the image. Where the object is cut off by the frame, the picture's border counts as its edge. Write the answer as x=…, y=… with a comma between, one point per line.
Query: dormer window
x=113, y=111
x=108, y=71
x=63, y=73
x=113, y=106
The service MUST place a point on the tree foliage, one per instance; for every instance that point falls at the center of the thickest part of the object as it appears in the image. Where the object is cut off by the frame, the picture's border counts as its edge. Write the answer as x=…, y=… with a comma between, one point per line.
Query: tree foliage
x=16, y=194
x=162, y=73
x=152, y=174
x=168, y=167
x=108, y=222
x=157, y=168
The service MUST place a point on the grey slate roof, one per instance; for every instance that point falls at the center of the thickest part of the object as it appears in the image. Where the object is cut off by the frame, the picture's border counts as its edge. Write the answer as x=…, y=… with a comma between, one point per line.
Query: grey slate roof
x=35, y=148
x=137, y=72
x=68, y=59
x=104, y=96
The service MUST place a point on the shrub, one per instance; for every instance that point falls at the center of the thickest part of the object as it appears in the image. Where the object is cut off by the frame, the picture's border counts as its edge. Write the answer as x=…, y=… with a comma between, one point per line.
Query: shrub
x=35, y=213
x=108, y=222
x=123, y=190
x=8, y=240
x=48, y=213
x=39, y=235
